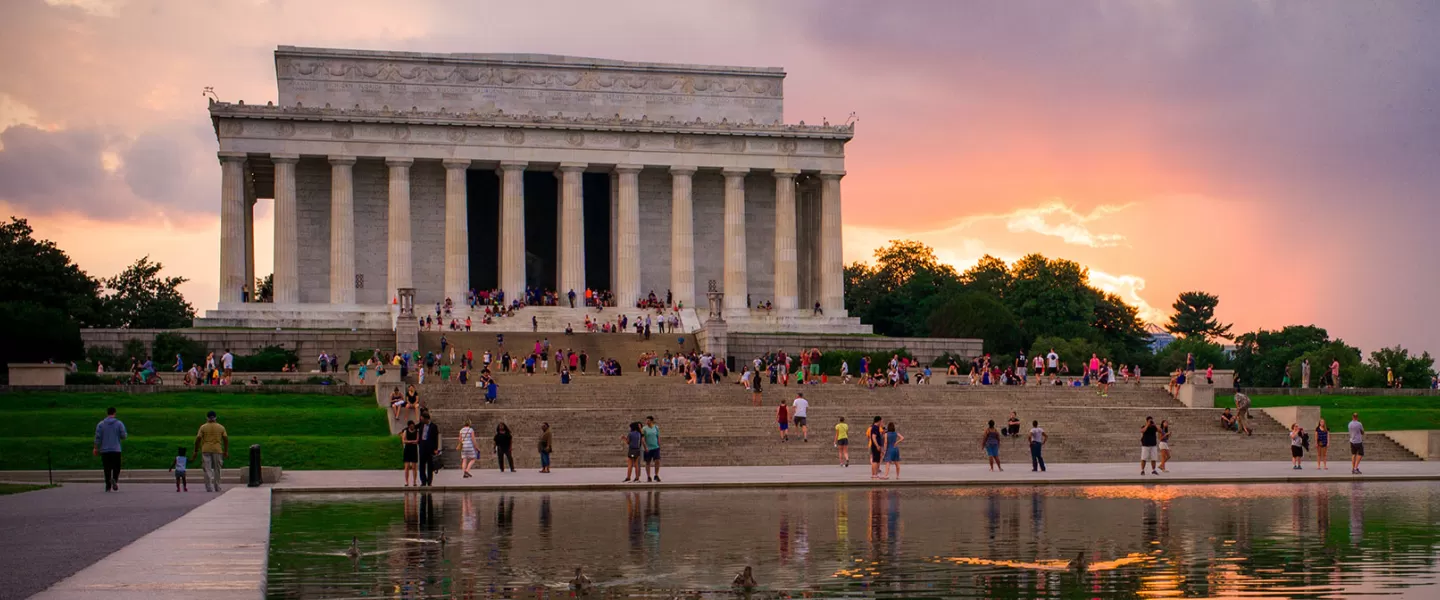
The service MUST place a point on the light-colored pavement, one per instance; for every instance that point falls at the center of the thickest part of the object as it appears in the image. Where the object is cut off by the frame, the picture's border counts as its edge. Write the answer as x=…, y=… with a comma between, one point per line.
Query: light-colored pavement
x=216, y=552
x=47, y=535
x=858, y=474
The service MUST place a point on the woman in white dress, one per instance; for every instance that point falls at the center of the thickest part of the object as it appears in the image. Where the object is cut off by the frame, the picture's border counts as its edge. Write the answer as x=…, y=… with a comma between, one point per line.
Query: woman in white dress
x=467, y=448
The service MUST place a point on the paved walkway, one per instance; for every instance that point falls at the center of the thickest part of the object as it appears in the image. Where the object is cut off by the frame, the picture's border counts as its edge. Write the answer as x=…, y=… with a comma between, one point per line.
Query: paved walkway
x=50, y=534
x=858, y=474
x=216, y=552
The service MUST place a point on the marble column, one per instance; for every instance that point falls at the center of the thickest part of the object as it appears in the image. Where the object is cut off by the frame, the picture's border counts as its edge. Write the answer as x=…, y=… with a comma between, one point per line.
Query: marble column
x=342, y=230
x=512, y=229
x=232, y=227
x=736, y=286
x=832, y=266
x=287, y=234
x=614, y=233
x=399, y=268
x=786, y=285
x=572, y=232
x=249, y=235
x=682, y=235
x=627, y=231
x=457, y=231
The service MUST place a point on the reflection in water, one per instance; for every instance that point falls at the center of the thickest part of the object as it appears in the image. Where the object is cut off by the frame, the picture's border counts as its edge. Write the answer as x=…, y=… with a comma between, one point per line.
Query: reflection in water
x=1011, y=542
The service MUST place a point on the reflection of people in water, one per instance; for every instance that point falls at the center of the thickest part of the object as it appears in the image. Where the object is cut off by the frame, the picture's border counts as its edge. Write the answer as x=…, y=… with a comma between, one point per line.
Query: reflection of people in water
x=580, y=583
x=354, y=550
x=1079, y=564
x=745, y=580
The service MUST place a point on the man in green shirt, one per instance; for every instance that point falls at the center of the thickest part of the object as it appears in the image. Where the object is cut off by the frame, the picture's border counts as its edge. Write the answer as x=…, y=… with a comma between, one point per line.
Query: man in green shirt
x=213, y=446
x=651, y=437
x=445, y=373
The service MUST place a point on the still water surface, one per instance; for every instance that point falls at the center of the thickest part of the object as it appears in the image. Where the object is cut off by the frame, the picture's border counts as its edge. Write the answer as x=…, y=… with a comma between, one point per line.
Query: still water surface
x=1331, y=540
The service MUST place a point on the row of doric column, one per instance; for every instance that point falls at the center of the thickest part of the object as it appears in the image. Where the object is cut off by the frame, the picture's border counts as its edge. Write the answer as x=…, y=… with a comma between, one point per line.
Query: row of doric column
x=235, y=231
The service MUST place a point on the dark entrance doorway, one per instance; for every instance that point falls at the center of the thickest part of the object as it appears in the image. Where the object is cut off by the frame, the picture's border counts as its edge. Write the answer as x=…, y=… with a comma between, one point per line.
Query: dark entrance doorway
x=595, y=191
x=542, y=192
x=482, y=193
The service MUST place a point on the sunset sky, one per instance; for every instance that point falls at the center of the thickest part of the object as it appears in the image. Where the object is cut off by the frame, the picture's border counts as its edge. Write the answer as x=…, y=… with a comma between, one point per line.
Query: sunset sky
x=1284, y=155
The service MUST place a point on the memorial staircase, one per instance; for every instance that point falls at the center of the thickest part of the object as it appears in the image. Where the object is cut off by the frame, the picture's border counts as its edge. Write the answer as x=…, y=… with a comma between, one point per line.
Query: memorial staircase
x=707, y=425
x=554, y=319
x=624, y=347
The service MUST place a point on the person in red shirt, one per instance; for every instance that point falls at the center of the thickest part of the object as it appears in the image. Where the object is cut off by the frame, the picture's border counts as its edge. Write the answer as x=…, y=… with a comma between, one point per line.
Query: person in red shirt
x=782, y=416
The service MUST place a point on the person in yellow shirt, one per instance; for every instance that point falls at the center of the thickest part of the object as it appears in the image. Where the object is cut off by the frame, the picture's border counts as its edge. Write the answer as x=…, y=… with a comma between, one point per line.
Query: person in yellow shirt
x=842, y=442
x=212, y=444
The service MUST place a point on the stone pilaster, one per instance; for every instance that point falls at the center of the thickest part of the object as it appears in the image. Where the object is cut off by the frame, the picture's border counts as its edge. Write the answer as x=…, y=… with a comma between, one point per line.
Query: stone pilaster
x=342, y=230
x=457, y=231
x=232, y=227
x=287, y=233
x=682, y=235
x=614, y=219
x=512, y=229
x=736, y=286
x=786, y=286
x=399, y=266
x=627, y=243
x=832, y=266
x=572, y=232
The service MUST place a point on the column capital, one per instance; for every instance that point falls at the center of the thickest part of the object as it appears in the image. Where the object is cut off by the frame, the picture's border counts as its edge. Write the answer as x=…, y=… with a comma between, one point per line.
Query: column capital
x=831, y=174
x=735, y=171
x=572, y=167
x=399, y=162
x=232, y=156
x=456, y=163
x=512, y=165
x=682, y=170
x=786, y=173
x=341, y=160
x=285, y=158
x=628, y=168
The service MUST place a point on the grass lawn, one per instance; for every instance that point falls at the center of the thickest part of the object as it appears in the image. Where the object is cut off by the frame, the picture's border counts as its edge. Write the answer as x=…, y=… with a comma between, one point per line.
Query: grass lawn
x=19, y=488
x=295, y=431
x=1378, y=413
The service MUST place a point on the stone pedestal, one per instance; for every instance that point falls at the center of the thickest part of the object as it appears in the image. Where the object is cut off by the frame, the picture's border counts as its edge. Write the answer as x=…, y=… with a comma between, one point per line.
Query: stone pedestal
x=407, y=329
x=37, y=374
x=717, y=338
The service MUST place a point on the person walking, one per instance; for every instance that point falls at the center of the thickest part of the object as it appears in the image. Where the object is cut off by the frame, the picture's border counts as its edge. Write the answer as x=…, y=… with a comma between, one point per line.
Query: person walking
x=802, y=409
x=874, y=438
x=1322, y=446
x=651, y=441
x=466, y=446
x=1164, y=444
x=892, y=450
x=632, y=440
x=428, y=448
x=546, y=447
x=782, y=418
x=990, y=441
x=410, y=441
x=504, y=443
x=1297, y=452
x=212, y=445
x=109, y=432
x=1357, y=443
x=1149, y=445
x=842, y=442
x=178, y=466
x=1242, y=413
x=1038, y=437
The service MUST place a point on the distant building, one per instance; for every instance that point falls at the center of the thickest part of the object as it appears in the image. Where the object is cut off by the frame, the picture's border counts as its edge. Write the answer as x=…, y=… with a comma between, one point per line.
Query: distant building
x=1159, y=338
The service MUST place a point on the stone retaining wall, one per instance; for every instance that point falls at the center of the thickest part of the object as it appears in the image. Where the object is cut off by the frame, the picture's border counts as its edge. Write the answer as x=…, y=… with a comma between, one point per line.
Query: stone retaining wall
x=308, y=343
x=924, y=349
x=336, y=390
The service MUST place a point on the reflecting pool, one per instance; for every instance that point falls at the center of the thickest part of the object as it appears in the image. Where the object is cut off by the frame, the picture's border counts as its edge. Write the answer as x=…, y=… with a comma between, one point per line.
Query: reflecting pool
x=1323, y=540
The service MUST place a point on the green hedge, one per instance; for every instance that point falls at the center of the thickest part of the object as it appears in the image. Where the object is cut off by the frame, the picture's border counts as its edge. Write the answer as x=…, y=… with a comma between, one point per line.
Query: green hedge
x=141, y=422
x=270, y=359
x=157, y=452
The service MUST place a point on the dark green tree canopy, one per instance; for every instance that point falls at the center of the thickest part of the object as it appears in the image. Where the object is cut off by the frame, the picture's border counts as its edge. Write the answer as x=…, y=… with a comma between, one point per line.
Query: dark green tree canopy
x=139, y=298
x=36, y=271
x=1195, y=316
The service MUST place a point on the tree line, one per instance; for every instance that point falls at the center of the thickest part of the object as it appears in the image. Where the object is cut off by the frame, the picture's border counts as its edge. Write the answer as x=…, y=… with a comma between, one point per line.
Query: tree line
x=1039, y=303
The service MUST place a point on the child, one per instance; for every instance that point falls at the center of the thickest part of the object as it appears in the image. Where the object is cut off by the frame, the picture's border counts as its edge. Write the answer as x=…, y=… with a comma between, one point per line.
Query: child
x=783, y=417
x=179, y=468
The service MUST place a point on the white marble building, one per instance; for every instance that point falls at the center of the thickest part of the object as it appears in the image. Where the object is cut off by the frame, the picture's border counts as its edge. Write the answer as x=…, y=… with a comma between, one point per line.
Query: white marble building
x=451, y=172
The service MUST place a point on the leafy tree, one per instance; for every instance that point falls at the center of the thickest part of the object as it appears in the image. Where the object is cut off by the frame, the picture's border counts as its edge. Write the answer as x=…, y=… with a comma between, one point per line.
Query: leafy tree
x=30, y=332
x=1352, y=372
x=1118, y=325
x=265, y=288
x=1206, y=353
x=1411, y=371
x=1072, y=351
x=990, y=275
x=1195, y=316
x=1052, y=297
x=977, y=315
x=897, y=293
x=140, y=298
x=36, y=271
x=168, y=344
x=1261, y=355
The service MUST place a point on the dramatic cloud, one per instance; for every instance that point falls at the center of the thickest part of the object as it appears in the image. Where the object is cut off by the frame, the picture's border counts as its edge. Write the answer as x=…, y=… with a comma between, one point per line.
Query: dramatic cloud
x=1070, y=226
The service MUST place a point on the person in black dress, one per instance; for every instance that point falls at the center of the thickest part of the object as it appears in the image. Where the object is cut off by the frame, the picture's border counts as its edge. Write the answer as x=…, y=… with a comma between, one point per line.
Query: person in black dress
x=410, y=437
x=503, y=441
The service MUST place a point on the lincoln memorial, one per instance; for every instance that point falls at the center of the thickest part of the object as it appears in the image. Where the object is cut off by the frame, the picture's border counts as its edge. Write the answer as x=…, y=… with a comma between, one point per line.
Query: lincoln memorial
x=445, y=173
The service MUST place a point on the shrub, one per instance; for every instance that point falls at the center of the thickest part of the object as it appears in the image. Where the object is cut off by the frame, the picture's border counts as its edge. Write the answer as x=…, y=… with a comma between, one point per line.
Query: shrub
x=133, y=348
x=830, y=361
x=269, y=359
x=83, y=378
x=168, y=344
x=360, y=356
x=321, y=380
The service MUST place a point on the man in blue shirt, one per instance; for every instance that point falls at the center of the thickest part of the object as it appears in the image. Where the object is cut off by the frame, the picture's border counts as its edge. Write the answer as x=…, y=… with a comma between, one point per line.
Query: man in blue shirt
x=108, y=434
